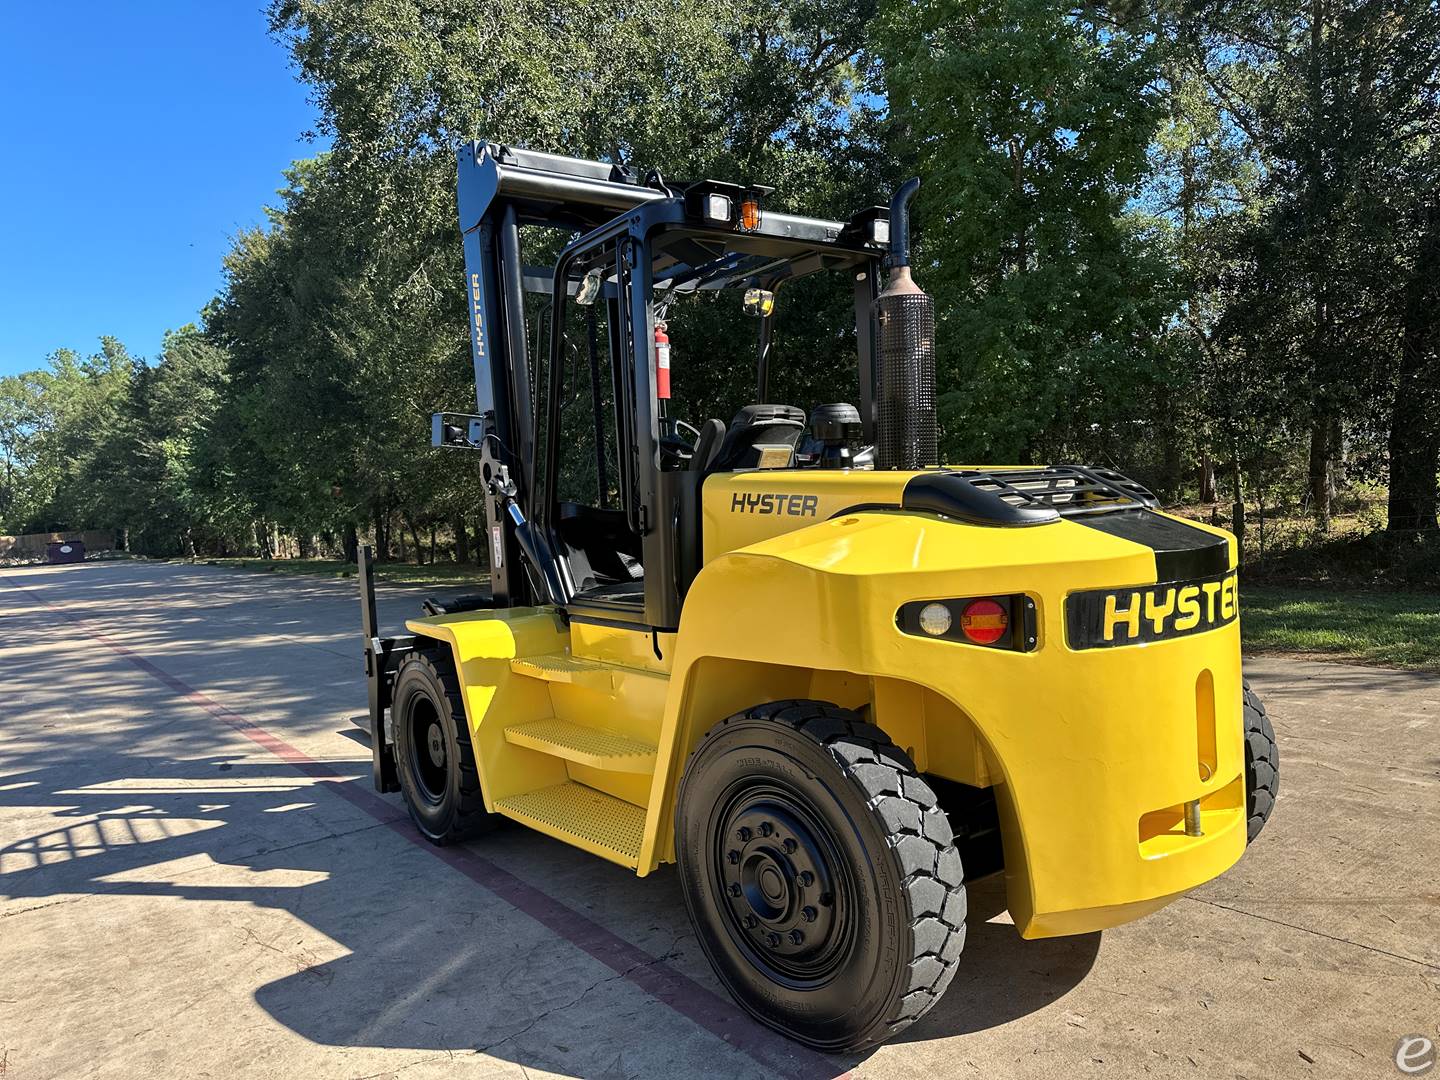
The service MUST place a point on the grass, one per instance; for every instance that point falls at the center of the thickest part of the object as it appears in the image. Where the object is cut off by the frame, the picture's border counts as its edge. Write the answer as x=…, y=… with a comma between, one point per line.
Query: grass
x=448, y=574
x=1393, y=628
x=1356, y=593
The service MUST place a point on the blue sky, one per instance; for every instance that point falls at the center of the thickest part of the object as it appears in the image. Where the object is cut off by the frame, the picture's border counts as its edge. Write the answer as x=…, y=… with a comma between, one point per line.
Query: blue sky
x=135, y=139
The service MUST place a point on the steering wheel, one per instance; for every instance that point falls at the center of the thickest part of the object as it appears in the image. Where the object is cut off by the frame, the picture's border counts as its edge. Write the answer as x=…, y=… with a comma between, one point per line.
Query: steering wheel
x=675, y=449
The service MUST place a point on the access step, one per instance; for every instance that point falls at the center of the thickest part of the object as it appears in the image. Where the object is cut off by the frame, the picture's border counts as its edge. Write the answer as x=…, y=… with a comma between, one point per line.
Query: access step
x=563, y=668
x=580, y=815
x=584, y=745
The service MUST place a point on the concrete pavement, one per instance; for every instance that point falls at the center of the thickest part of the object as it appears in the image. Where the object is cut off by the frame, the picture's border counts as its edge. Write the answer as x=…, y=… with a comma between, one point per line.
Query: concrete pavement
x=196, y=880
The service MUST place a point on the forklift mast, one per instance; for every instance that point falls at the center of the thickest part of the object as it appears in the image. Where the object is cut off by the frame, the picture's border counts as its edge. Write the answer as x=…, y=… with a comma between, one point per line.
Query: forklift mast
x=499, y=189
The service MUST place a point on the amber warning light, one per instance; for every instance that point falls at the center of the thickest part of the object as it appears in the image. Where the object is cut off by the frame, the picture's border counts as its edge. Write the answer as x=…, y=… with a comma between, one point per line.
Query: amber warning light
x=750, y=213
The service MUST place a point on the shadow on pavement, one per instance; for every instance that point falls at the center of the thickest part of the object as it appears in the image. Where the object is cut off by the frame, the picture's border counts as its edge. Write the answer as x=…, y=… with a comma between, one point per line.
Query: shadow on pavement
x=434, y=961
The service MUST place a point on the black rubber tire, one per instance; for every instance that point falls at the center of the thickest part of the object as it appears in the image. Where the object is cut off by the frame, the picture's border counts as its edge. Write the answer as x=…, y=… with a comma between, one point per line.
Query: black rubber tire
x=433, y=754
x=1262, y=765
x=848, y=802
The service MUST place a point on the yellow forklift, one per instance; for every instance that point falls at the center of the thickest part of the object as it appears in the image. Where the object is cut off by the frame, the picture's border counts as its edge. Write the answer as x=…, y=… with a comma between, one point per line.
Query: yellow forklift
x=824, y=675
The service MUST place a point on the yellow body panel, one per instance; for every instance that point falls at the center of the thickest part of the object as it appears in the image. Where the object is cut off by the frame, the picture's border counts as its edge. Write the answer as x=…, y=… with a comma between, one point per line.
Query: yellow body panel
x=1092, y=753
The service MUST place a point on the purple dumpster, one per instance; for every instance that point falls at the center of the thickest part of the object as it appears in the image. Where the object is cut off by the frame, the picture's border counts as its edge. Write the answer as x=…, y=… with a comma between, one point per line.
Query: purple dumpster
x=65, y=551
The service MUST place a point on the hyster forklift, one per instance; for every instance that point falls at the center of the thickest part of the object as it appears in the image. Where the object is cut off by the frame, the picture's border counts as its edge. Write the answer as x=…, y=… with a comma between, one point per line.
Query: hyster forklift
x=824, y=675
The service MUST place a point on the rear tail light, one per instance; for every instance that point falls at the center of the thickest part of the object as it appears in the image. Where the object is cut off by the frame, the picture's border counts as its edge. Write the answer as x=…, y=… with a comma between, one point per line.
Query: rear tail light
x=993, y=622
x=984, y=621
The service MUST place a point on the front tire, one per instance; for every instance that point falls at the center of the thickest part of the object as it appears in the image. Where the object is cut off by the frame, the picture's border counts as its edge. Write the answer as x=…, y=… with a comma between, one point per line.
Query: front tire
x=1262, y=765
x=433, y=754
x=819, y=874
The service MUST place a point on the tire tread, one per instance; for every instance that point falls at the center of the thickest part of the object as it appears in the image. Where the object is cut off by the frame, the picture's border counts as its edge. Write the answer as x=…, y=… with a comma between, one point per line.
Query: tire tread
x=1262, y=764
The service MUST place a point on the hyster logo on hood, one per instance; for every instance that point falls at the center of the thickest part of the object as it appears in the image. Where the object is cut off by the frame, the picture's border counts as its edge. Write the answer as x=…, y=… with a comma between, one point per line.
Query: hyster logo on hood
x=1105, y=617
x=774, y=503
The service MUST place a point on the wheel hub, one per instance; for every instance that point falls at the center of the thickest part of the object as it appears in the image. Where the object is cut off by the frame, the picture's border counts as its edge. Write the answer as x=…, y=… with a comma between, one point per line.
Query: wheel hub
x=435, y=742
x=777, y=881
x=426, y=748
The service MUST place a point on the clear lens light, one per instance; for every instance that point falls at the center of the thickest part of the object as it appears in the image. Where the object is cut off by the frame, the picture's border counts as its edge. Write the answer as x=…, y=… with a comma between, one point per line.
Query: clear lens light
x=717, y=207
x=935, y=619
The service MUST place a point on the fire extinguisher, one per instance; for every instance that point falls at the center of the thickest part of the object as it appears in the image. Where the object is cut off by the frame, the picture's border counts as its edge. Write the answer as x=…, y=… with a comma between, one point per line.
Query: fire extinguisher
x=662, y=361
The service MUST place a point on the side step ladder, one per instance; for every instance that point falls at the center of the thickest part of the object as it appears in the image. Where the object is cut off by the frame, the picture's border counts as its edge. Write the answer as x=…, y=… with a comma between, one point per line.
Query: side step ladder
x=571, y=811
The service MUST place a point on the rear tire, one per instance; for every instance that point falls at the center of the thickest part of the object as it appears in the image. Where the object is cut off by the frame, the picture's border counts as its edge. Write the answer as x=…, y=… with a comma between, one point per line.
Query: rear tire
x=819, y=874
x=433, y=754
x=1262, y=765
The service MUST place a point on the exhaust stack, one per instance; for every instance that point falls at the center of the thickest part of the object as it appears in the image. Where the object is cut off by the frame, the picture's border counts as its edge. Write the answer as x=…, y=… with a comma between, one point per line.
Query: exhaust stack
x=905, y=430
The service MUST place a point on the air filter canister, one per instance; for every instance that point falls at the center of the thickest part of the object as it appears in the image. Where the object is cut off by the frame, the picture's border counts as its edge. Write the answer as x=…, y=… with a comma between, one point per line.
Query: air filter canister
x=905, y=436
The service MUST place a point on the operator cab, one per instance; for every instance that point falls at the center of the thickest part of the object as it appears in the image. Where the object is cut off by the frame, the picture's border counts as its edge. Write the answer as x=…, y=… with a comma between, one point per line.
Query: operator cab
x=605, y=323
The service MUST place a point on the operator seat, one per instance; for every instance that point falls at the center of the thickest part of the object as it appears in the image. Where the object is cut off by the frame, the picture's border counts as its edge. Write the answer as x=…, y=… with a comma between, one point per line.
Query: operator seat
x=707, y=447
x=759, y=437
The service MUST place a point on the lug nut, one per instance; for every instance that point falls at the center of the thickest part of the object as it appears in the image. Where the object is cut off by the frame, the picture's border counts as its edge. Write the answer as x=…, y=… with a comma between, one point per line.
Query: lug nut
x=744, y=834
x=809, y=914
x=734, y=889
x=766, y=828
x=806, y=878
x=749, y=922
x=773, y=940
x=733, y=856
x=796, y=937
x=790, y=846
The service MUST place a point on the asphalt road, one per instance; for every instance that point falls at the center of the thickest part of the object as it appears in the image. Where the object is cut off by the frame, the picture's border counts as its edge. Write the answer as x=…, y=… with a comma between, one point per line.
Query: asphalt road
x=196, y=880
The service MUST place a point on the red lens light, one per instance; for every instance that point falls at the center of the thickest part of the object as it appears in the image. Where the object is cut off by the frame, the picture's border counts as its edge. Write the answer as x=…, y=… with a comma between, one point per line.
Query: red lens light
x=984, y=622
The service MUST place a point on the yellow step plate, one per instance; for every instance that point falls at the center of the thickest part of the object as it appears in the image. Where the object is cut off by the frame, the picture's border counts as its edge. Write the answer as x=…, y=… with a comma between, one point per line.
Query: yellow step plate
x=580, y=815
x=564, y=668
x=584, y=745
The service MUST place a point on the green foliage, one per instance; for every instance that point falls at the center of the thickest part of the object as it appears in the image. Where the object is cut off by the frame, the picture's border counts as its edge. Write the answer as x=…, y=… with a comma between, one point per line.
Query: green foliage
x=1030, y=125
x=340, y=348
x=60, y=427
x=1333, y=105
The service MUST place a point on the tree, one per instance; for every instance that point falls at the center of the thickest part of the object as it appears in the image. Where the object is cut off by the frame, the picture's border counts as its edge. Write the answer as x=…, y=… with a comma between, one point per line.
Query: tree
x=66, y=418
x=1414, y=437
x=18, y=408
x=1338, y=97
x=1030, y=125
x=172, y=408
x=344, y=319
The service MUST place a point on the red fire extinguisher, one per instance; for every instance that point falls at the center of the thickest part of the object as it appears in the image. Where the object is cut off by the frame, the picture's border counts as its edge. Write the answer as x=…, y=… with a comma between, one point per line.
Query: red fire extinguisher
x=662, y=362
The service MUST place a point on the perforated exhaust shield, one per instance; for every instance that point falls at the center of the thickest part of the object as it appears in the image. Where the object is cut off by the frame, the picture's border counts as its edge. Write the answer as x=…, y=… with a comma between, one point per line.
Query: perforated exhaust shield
x=905, y=433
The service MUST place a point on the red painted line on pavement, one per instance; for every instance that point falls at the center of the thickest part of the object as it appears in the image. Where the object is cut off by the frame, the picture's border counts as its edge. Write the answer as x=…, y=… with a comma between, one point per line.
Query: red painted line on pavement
x=708, y=1010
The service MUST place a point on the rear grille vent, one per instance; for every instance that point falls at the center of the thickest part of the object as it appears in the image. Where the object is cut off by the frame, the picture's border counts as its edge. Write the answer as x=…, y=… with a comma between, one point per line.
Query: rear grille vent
x=1072, y=490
